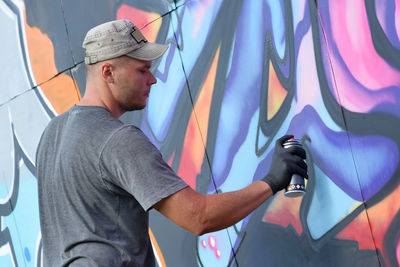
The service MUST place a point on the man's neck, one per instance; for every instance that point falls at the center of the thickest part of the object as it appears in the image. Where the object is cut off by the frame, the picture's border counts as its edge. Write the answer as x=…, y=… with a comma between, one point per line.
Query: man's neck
x=114, y=110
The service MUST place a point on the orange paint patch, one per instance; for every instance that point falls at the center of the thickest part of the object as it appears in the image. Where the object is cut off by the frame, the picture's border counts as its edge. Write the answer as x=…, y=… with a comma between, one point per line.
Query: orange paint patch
x=276, y=93
x=150, y=20
x=41, y=53
x=284, y=211
x=60, y=91
x=381, y=216
x=193, y=147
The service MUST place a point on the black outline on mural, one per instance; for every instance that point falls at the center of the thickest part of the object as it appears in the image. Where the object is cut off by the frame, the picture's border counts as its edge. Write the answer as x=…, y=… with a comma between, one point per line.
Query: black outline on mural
x=271, y=127
x=381, y=43
x=7, y=208
x=15, y=10
x=39, y=253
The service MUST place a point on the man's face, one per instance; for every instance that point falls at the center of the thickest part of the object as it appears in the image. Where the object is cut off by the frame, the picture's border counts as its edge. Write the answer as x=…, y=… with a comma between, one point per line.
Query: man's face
x=132, y=82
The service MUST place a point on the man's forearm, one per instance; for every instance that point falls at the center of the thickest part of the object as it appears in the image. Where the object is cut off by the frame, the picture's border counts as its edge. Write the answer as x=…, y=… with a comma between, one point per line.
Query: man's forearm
x=225, y=209
x=201, y=213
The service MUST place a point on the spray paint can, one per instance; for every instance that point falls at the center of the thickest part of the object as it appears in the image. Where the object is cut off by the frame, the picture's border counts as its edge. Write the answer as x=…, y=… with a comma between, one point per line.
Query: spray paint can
x=296, y=187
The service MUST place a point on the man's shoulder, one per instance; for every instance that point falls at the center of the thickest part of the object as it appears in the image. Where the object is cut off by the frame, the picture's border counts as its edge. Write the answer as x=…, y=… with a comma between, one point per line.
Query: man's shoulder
x=55, y=122
x=130, y=139
x=131, y=133
x=90, y=118
x=129, y=129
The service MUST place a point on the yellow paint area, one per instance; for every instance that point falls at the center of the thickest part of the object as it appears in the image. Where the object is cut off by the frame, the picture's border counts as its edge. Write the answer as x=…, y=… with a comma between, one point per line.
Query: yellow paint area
x=276, y=93
x=284, y=211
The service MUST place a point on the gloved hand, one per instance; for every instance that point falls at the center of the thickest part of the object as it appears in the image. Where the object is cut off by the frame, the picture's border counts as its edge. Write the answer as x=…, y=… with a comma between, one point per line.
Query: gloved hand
x=285, y=162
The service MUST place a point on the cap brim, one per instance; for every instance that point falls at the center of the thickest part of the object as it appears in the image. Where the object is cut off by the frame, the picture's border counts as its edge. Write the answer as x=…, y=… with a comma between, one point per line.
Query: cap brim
x=149, y=51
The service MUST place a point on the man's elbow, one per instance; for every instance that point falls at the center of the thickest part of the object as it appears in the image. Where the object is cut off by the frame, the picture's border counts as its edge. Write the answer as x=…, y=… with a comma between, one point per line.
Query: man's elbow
x=198, y=231
x=202, y=223
x=199, y=228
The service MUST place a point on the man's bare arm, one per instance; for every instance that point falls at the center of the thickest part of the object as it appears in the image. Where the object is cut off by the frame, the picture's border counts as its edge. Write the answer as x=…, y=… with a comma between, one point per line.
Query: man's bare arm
x=199, y=213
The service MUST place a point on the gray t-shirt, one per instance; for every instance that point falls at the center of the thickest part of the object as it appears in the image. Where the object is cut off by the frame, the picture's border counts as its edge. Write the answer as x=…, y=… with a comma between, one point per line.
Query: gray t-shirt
x=97, y=179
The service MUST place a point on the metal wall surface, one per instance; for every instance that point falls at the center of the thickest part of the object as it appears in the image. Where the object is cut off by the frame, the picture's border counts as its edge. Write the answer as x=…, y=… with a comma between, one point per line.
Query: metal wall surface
x=237, y=76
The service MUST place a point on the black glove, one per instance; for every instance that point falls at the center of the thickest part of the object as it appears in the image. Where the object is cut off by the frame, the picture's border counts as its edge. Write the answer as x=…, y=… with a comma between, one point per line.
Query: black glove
x=285, y=162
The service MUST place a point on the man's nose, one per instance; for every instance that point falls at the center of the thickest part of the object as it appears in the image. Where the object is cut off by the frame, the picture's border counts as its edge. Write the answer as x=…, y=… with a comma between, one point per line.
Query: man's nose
x=152, y=79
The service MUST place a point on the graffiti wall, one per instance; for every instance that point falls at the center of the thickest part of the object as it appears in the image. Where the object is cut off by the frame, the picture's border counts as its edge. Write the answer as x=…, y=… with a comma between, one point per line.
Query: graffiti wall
x=237, y=76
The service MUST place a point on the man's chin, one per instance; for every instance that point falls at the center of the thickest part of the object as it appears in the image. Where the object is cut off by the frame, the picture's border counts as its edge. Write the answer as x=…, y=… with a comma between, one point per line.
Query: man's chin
x=135, y=107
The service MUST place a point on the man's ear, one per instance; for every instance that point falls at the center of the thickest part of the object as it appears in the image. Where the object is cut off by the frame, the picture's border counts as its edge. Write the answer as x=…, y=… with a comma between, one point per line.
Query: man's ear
x=107, y=72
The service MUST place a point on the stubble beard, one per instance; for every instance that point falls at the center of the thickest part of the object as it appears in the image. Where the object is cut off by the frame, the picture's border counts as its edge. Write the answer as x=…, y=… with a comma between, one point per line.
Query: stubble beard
x=132, y=107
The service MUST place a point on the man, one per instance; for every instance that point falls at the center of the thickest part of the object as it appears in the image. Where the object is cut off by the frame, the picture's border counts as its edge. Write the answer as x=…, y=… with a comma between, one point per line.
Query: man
x=98, y=177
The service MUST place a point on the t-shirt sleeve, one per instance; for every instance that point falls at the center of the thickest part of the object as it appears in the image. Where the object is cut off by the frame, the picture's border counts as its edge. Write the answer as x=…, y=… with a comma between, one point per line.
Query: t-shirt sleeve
x=131, y=162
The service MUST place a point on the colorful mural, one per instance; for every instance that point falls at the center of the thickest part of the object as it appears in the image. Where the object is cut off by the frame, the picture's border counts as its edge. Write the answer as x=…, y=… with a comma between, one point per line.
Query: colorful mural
x=237, y=76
